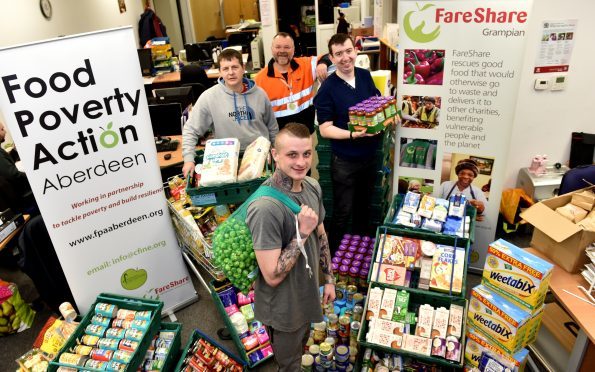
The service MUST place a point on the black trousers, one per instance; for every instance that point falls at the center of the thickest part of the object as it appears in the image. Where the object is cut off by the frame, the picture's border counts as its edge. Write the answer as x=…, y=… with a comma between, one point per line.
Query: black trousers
x=353, y=186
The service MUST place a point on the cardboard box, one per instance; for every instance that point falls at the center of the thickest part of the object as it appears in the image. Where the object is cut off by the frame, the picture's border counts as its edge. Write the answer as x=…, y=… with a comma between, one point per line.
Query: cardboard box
x=500, y=320
x=521, y=277
x=558, y=238
x=478, y=343
x=362, y=31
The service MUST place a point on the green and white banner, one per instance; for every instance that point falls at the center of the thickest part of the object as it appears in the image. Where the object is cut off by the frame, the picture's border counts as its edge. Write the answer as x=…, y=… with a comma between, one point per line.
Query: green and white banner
x=77, y=111
x=459, y=71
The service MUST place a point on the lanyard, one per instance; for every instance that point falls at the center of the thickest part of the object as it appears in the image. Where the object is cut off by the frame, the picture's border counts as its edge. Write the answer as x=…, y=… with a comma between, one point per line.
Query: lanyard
x=289, y=86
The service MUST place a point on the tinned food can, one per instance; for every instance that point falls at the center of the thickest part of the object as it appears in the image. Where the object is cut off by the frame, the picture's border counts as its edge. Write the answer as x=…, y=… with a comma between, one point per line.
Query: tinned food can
x=117, y=333
x=105, y=309
x=73, y=359
x=108, y=343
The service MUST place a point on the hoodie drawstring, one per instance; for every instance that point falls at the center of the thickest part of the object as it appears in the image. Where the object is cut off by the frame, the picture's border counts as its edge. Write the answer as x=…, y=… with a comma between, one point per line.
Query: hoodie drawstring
x=235, y=107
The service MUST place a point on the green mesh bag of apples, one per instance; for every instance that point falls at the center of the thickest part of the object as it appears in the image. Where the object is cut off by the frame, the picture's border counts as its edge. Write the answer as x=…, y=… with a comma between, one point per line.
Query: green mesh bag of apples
x=233, y=249
x=15, y=314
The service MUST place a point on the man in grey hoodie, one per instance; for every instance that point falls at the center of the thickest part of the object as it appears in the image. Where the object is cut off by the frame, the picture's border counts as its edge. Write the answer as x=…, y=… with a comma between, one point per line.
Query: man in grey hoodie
x=235, y=107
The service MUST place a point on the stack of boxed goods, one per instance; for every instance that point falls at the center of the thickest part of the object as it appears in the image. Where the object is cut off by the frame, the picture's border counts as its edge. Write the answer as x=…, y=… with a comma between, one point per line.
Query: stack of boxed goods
x=161, y=53
x=589, y=273
x=418, y=263
x=564, y=228
x=405, y=321
x=434, y=214
x=505, y=310
x=351, y=262
x=333, y=342
x=237, y=309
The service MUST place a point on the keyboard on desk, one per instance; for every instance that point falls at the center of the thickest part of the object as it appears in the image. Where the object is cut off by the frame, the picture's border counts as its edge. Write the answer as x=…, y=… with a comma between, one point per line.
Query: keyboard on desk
x=167, y=145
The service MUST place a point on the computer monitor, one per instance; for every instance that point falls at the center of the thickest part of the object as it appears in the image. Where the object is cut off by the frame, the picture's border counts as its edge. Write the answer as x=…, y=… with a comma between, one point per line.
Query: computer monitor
x=199, y=52
x=182, y=95
x=146, y=61
x=166, y=119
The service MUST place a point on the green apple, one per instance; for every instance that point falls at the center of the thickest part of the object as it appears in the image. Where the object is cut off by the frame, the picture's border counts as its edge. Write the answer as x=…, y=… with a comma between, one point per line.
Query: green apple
x=417, y=34
x=133, y=278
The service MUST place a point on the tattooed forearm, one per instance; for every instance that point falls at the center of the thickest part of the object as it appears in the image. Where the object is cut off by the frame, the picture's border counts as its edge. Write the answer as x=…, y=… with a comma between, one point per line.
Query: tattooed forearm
x=287, y=259
x=282, y=180
x=325, y=258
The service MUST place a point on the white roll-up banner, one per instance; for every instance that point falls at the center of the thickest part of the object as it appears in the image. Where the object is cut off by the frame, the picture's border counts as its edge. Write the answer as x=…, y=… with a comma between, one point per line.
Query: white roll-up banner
x=459, y=68
x=77, y=111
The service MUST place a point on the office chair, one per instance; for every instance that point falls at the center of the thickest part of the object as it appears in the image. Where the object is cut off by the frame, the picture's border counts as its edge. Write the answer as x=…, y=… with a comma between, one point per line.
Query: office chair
x=577, y=178
x=193, y=73
x=197, y=89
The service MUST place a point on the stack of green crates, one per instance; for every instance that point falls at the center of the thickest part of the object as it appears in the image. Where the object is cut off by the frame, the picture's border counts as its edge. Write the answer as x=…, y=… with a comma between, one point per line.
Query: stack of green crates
x=380, y=197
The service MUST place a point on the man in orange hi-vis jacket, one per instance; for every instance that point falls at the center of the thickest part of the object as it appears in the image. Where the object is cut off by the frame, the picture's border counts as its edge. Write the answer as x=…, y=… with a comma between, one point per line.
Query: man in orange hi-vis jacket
x=289, y=82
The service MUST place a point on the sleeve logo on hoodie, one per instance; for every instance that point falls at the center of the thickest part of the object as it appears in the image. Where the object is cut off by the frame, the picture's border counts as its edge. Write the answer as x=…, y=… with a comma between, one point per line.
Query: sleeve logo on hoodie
x=242, y=113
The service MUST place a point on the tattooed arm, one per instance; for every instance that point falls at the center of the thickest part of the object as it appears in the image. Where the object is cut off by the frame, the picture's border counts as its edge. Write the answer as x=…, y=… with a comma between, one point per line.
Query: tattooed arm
x=275, y=264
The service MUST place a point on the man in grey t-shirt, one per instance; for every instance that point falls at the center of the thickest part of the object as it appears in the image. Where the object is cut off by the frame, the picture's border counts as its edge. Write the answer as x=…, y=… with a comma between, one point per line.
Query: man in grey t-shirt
x=287, y=298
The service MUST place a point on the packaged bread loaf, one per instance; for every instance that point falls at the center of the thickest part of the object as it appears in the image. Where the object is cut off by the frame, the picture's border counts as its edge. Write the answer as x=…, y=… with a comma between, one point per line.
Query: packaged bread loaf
x=584, y=199
x=220, y=162
x=572, y=212
x=253, y=160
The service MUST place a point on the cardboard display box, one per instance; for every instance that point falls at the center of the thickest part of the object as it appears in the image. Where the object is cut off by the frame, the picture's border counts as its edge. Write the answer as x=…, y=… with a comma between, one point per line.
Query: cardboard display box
x=557, y=237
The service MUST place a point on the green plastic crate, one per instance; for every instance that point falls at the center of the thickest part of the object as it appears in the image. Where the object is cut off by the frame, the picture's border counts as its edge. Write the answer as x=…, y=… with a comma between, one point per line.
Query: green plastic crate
x=416, y=299
x=423, y=235
x=174, y=350
x=232, y=331
x=198, y=334
x=231, y=193
x=470, y=211
x=131, y=303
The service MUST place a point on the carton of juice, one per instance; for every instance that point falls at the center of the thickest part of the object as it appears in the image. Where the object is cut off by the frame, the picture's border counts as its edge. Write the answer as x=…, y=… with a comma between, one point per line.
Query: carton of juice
x=500, y=320
x=516, y=274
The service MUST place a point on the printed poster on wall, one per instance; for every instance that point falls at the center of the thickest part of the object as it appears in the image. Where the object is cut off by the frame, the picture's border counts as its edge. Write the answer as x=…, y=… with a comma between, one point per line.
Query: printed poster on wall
x=77, y=111
x=555, y=46
x=459, y=69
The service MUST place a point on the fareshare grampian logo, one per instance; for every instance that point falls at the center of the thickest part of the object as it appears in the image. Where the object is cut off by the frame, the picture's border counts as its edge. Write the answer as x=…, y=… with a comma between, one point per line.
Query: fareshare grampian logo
x=417, y=34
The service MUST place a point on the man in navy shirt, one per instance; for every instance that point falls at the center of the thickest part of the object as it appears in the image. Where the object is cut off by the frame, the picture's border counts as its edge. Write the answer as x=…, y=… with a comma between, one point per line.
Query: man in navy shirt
x=353, y=163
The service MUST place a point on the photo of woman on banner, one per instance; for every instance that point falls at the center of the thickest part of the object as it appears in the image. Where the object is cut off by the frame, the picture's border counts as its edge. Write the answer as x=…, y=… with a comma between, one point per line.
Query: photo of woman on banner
x=466, y=172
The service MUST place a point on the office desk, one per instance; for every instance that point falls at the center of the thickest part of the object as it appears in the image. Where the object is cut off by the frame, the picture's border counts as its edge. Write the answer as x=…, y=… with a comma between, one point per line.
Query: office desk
x=9, y=238
x=176, y=156
x=581, y=312
x=172, y=78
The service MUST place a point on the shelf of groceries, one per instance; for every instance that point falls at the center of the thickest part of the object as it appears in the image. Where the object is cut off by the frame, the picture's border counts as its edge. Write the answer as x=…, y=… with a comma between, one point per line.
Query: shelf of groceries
x=400, y=295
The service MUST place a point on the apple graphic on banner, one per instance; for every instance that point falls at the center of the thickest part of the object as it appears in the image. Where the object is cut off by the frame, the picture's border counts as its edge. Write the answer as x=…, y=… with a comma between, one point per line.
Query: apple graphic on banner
x=133, y=278
x=417, y=34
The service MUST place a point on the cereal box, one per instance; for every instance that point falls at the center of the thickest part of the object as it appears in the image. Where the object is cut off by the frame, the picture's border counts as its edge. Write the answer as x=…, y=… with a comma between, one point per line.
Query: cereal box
x=389, y=274
x=520, y=276
x=387, y=305
x=374, y=300
x=499, y=319
x=478, y=343
x=442, y=269
x=534, y=325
